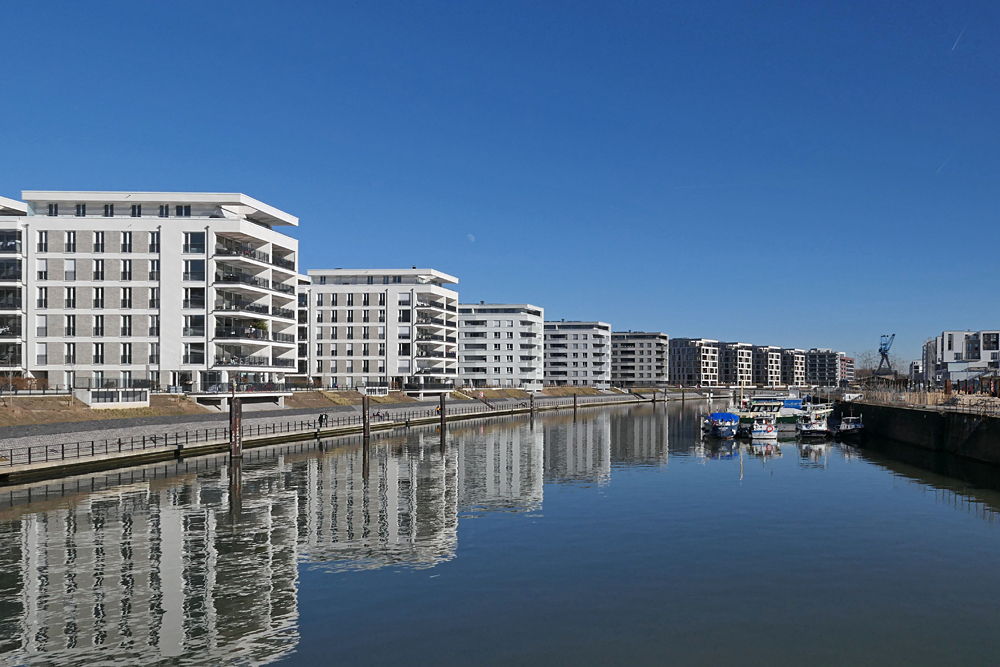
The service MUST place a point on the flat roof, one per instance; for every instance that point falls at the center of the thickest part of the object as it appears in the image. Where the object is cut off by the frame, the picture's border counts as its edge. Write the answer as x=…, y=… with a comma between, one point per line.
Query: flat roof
x=438, y=275
x=12, y=207
x=499, y=305
x=234, y=201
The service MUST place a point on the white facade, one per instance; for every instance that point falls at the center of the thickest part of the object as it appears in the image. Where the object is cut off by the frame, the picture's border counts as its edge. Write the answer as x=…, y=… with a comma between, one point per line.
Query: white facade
x=500, y=345
x=736, y=364
x=793, y=367
x=694, y=361
x=639, y=358
x=578, y=354
x=766, y=365
x=162, y=288
x=383, y=327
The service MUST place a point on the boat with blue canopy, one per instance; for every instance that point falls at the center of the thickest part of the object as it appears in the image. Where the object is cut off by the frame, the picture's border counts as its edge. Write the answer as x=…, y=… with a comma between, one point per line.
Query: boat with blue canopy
x=722, y=425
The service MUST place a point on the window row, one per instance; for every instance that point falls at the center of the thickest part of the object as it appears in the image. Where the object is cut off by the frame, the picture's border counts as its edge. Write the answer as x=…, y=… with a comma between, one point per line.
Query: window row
x=121, y=270
x=349, y=316
x=347, y=350
x=333, y=366
x=96, y=353
x=96, y=298
x=96, y=325
x=135, y=210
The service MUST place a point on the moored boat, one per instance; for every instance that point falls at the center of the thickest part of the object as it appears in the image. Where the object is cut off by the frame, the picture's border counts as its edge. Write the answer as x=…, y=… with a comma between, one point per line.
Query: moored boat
x=762, y=426
x=813, y=423
x=850, y=426
x=722, y=425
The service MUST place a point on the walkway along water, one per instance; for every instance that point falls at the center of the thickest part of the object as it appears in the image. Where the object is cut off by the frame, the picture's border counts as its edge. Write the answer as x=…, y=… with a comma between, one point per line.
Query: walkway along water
x=54, y=460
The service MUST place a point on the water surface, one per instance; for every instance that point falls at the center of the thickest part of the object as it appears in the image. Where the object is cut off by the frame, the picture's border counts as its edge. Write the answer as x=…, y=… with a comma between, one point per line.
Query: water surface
x=618, y=537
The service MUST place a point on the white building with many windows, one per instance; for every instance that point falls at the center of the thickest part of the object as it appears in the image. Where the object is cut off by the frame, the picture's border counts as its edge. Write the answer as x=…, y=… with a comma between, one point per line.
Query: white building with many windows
x=694, y=362
x=169, y=289
x=639, y=358
x=736, y=364
x=393, y=328
x=500, y=345
x=793, y=367
x=578, y=354
x=960, y=355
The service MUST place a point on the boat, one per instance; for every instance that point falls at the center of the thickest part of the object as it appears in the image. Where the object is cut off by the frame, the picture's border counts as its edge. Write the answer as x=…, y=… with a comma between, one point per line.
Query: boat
x=762, y=426
x=850, y=426
x=754, y=407
x=813, y=423
x=722, y=425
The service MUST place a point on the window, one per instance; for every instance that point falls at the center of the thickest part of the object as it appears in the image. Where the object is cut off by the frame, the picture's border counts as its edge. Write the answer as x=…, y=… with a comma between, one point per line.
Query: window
x=364, y=315
x=126, y=241
x=164, y=211
x=154, y=269
x=319, y=316
x=69, y=353
x=154, y=297
x=496, y=334
x=381, y=317
x=194, y=325
x=182, y=211
x=154, y=242
x=98, y=297
x=154, y=325
x=98, y=325
x=98, y=269
x=154, y=353
x=194, y=353
x=364, y=350
x=510, y=370
x=43, y=297
x=333, y=349
x=364, y=366
x=126, y=357
x=109, y=210
x=70, y=245
x=381, y=349
x=510, y=334
x=69, y=269
x=349, y=349
x=81, y=210
x=319, y=299
x=41, y=325
x=350, y=315
x=381, y=333
x=319, y=366
x=496, y=346
x=194, y=297
x=350, y=333
x=42, y=269
x=364, y=333
x=398, y=279
x=126, y=269
x=496, y=369
x=194, y=242
x=98, y=353
x=365, y=299
x=136, y=210
x=404, y=316
x=126, y=297
x=126, y=328
x=43, y=241
x=333, y=300
x=42, y=353
x=98, y=241
x=194, y=269
x=333, y=316
x=70, y=298
x=319, y=349
x=53, y=209
x=350, y=300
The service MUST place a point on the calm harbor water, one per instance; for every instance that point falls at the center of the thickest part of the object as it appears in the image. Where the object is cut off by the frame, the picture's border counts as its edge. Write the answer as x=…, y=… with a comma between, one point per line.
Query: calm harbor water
x=618, y=538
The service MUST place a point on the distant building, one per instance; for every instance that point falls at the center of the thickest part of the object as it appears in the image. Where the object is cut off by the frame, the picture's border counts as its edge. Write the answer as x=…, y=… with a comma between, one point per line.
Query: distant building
x=916, y=373
x=736, y=364
x=578, y=354
x=694, y=361
x=846, y=369
x=960, y=355
x=793, y=367
x=639, y=358
x=500, y=345
x=766, y=365
x=824, y=367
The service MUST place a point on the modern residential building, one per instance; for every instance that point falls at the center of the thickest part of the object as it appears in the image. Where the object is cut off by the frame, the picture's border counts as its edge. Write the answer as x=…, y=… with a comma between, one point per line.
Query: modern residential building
x=766, y=365
x=639, y=359
x=736, y=364
x=960, y=355
x=916, y=372
x=169, y=289
x=386, y=328
x=578, y=354
x=823, y=367
x=793, y=367
x=500, y=345
x=846, y=369
x=694, y=361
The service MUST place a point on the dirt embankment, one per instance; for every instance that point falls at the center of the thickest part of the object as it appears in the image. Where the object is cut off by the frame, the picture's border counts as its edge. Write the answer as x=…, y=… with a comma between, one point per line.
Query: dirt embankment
x=59, y=409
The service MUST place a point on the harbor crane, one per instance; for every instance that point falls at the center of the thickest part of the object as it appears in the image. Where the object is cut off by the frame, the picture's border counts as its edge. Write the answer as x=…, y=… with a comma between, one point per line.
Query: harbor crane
x=883, y=350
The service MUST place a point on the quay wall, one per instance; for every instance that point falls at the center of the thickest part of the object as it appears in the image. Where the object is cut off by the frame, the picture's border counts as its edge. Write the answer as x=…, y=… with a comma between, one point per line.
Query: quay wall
x=967, y=435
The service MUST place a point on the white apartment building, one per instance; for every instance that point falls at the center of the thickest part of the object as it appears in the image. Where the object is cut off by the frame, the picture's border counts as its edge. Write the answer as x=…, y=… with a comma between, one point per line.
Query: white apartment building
x=395, y=328
x=639, y=358
x=766, y=365
x=694, y=361
x=793, y=367
x=500, y=345
x=736, y=364
x=824, y=367
x=960, y=355
x=169, y=289
x=578, y=354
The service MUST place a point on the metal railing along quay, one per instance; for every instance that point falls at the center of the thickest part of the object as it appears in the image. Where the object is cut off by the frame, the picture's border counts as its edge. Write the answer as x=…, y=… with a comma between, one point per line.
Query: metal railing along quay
x=50, y=453
x=974, y=404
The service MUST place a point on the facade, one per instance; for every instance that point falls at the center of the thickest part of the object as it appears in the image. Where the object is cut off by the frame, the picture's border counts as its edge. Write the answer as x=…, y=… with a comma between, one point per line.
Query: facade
x=639, y=359
x=916, y=372
x=500, y=345
x=394, y=328
x=823, y=367
x=694, y=361
x=162, y=289
x=578, y=354
x=736, y=364
x=846, y=368
x=766, y=365
x=960, y=355
x=793, y=367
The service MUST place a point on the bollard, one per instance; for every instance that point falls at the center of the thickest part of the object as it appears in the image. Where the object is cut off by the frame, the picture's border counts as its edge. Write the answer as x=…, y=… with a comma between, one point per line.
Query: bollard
x=442, y=408
x=365, y=417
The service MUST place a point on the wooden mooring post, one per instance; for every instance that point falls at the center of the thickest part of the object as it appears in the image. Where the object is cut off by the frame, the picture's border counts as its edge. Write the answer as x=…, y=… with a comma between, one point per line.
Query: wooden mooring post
x=443, y=410
x=574, y=406
x=235, y=425
x=365, y=417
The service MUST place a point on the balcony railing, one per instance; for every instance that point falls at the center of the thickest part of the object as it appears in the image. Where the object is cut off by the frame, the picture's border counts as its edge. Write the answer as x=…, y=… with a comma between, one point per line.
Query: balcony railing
x=428, y=385
x=241, y=250
x=242, y=278
x=192, y=303
x=248, y=333
x=196, y=276
x=242, y=306
x=9, y=332
x=240, y=360
x=431, y=320
x=10, y=276
x=283, y=363
x=282, y=338
x=283, y=263
x=286, y=289
x=198, y=358
x=194, y=331
x=283, y=312
x=7, y=361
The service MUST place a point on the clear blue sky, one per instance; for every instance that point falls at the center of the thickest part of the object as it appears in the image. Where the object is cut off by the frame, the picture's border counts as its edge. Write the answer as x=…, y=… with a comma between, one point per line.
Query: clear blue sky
x=799, y=174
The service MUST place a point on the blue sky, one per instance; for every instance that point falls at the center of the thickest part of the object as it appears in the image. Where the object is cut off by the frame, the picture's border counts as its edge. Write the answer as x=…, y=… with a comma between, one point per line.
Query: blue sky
x=798, y=174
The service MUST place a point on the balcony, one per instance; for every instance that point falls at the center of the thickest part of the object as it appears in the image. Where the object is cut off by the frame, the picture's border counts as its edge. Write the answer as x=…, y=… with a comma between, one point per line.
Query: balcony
x=284, y=313
x=283, y=263
x=282, y=338
x=245, y=333
x=429, y=338
x=242, y=279
x=190, y=303
x=11, y=276
x=285, y=289
x=198, y=358
x=431, y=321
x=241, y=306
x=198, y=332
x=283, y=363
x=240, y=360
x=10, y=331
x=233, y=249
x=190, y=276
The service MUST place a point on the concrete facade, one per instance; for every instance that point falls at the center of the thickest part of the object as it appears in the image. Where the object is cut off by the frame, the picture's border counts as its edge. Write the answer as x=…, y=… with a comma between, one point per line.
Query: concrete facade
x=501, y=345
x=736, y=365
x=694, y=361
x=639, y=359
x=960, y=355
x=823, y=367
x=578, y=354
x=766, y=365
x=793, y=367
